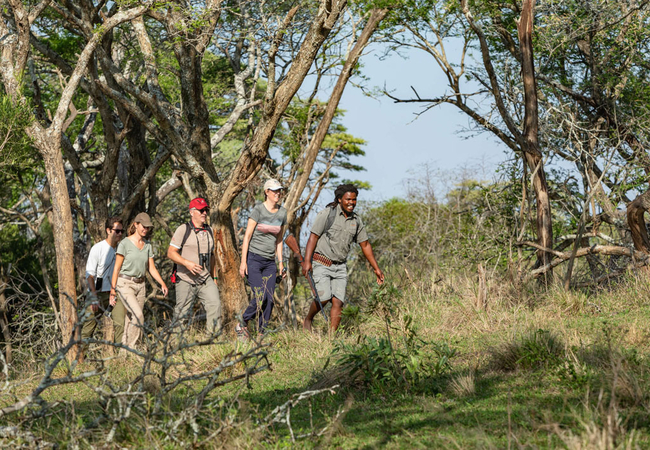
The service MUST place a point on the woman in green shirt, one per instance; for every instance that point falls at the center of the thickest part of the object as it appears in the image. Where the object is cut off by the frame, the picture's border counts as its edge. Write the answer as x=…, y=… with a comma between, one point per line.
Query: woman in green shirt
x=134, y=256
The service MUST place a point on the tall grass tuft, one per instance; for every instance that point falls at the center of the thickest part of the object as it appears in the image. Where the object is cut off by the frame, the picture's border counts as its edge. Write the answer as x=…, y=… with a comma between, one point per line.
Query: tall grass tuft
x=464, y=385
x=535, y=350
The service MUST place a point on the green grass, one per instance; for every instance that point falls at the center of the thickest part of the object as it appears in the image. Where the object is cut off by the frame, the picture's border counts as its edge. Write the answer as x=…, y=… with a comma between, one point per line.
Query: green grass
x=565, y=370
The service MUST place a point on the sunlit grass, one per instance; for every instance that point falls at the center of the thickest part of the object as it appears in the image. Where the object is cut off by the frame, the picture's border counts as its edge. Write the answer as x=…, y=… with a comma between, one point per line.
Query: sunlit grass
x=530, y=371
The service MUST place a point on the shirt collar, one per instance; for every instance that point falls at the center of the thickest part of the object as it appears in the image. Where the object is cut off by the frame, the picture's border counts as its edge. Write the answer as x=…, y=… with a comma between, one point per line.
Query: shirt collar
x=340, y=212
x=197, y=229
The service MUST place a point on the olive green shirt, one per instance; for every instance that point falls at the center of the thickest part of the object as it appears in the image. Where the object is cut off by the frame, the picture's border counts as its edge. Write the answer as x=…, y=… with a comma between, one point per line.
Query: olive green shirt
x=136, y=261
x=336, y=242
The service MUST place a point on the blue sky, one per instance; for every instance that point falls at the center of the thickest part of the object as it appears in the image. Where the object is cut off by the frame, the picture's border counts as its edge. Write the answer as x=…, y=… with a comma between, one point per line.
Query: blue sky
x=399, y=145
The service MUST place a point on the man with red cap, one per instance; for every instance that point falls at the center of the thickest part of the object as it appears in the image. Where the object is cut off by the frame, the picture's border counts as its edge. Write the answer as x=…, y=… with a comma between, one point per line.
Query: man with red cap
x=192, y=251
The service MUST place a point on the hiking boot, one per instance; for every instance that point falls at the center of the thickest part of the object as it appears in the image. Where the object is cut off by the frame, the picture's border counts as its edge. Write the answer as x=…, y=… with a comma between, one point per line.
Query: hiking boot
x=242, y=332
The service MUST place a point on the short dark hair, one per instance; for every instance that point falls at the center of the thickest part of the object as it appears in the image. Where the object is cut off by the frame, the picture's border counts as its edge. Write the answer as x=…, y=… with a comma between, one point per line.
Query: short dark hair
x=112, y=221
x=341, y=191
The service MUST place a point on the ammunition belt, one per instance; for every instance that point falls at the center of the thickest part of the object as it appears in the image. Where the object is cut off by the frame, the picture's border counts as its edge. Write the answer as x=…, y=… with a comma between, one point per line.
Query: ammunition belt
x=324, y=260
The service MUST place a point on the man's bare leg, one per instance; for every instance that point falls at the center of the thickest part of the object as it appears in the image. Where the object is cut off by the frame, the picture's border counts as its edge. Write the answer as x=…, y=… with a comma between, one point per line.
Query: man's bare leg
x=313, y=310
x=335, y=314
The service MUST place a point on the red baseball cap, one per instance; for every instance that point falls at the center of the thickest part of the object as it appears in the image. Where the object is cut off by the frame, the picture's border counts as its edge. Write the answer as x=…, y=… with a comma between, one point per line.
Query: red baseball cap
x=199, y=203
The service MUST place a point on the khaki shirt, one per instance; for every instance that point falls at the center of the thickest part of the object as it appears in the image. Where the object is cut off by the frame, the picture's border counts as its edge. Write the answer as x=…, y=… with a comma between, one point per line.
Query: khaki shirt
x=337, y=241
x=199, y=241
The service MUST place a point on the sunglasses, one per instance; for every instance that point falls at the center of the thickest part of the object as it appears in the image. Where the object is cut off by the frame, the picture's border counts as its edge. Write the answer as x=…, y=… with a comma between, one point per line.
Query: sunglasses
x=118, y=230
x=204, y=210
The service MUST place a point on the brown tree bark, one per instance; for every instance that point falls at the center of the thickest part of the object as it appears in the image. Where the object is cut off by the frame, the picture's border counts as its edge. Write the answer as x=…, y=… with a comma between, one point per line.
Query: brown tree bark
x=635, y=220
x=641, y=258
x=49, y=147
x=532, y=154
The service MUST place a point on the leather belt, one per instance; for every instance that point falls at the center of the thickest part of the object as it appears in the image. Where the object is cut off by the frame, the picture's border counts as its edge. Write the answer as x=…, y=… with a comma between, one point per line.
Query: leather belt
x=324, y=260
x=130, y=278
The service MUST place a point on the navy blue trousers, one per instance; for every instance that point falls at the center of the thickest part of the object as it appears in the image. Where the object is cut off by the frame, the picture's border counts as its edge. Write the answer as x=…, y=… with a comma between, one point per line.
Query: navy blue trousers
x=261, y=277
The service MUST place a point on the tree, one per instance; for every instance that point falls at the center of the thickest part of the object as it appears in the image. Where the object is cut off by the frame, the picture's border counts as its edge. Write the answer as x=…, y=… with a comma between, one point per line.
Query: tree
x=304, y=162
x=130, y=57
x=47, y=137
x=430, y=26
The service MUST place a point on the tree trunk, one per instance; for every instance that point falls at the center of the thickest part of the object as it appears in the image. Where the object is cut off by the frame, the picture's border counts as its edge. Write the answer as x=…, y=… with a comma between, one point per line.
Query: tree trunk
x=231, y=285
x=544, y=224
x=530, y=146
x=635, y=220
x=49, y=148
x=139, y=161
x=292, y=198
x=4, y=320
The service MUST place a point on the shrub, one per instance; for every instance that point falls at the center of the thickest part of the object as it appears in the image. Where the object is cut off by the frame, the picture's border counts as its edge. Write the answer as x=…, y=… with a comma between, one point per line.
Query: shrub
x=398, y=358
x=377, y=364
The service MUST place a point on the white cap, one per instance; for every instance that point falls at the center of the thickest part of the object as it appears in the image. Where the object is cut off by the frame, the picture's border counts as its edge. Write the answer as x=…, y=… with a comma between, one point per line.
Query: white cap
x=273, y=185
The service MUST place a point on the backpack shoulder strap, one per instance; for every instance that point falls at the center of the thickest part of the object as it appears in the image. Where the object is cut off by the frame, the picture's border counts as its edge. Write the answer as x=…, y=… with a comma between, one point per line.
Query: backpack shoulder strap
x=330, y=220
x=211, y=233
x=188, y=230
x=331, y=216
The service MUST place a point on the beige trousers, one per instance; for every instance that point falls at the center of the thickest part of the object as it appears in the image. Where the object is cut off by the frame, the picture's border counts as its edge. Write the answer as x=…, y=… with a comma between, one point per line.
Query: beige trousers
x=133, y=296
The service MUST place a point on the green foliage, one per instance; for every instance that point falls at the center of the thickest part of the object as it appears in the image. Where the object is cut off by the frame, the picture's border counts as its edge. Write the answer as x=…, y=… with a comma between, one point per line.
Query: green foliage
x=472, y=222
x=399, y=359
x=16, y=248
x=384, y=301
x=352, y=317
x=408, y=365
x=406, y=11
x=360, y=184
x=575, y=374
x=301, y=119
x=16, y=151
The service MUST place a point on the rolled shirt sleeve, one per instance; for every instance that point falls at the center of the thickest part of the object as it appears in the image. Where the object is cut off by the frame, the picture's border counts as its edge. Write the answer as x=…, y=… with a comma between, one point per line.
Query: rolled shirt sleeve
x=93, y=262
x=362, y=234
x=320, y=221
x=177, y=238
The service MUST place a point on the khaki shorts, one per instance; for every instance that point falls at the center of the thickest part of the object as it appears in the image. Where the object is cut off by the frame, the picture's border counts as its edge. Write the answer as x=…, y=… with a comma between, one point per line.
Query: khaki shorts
x=330, y=281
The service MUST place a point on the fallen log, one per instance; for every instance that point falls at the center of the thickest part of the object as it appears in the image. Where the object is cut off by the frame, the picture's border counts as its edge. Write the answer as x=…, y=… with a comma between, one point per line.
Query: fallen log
x=640, y=258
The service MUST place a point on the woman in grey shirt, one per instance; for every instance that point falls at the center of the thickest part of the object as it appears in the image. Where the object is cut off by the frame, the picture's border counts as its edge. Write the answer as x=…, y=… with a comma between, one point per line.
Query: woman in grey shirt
x=134, y=256
x=262, y=243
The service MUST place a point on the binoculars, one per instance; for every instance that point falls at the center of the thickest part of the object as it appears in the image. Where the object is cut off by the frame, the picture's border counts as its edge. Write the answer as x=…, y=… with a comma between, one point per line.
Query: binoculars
x=204, y=260
x=279, y=277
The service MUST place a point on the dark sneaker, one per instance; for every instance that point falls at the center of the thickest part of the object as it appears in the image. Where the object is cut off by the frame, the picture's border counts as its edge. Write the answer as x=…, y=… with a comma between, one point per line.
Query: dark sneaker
x=242, y=332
